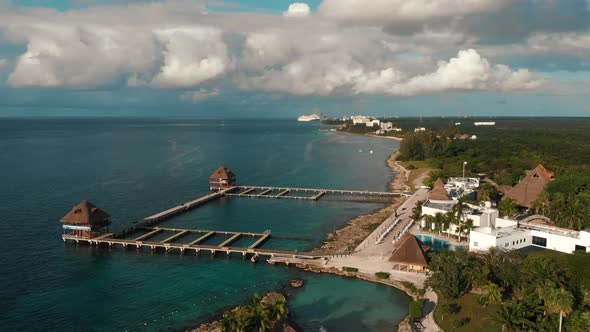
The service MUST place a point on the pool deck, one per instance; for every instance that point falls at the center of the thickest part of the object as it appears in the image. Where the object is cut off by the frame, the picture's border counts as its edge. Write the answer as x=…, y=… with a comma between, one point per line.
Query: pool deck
x=451, y=241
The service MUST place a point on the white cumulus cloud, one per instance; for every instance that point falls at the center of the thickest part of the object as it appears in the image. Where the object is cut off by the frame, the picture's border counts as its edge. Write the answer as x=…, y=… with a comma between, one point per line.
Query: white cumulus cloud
x=85, y=56
x=324, y=75
x=298, y=9
x=405, y=10
x=175, y=45
x=192, y=56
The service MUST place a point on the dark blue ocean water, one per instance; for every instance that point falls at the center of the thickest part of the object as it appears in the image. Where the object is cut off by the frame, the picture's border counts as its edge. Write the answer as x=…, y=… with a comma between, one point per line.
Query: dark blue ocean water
x=132, y=168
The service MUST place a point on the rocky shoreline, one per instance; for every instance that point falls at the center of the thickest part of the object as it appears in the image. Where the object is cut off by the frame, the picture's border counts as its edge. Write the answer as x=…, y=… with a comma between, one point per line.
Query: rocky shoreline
x=347, y=238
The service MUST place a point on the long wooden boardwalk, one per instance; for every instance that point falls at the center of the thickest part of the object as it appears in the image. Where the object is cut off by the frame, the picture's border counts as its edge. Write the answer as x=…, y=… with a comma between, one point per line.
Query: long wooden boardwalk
x=185, y=206
x=196, y=246
x=311, y=194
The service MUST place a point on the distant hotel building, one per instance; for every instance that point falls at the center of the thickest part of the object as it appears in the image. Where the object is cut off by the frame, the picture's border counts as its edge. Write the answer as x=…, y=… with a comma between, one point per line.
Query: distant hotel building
x=484, y=123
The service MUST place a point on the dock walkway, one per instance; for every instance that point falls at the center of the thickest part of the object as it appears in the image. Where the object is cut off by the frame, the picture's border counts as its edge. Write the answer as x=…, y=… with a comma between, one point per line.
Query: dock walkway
x=196, y=246
x=185, y=206
x=310, y=194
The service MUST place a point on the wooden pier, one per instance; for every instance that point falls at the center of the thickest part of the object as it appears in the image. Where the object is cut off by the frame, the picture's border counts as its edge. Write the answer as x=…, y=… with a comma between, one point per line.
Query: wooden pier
x=310, y=194
x=185, y=206
x=196, y=246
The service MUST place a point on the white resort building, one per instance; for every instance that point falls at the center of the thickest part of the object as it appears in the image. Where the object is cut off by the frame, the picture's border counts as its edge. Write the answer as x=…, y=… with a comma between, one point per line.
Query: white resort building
x=537, y=231
x=491, y=231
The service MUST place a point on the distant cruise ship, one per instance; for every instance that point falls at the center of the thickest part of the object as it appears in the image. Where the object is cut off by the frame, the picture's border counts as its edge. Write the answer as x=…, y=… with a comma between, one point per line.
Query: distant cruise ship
x=306, y=118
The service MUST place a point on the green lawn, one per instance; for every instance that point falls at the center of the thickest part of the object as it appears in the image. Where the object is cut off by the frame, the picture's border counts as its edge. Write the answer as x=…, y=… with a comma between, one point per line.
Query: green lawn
x=477, y=318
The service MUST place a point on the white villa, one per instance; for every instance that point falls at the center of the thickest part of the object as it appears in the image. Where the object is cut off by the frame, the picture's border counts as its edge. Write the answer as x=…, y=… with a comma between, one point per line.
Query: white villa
x=419, y=129
x=490, y=123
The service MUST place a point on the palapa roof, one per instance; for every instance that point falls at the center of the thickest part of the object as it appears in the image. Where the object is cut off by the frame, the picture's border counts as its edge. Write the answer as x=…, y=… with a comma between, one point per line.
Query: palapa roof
x=409, y=250
x=86, y=213
x=530, y=188
x=438, y=192
x=222, y=173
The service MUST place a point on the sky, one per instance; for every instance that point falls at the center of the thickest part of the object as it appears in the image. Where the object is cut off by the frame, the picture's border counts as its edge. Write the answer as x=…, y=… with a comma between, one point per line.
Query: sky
x=276, y=58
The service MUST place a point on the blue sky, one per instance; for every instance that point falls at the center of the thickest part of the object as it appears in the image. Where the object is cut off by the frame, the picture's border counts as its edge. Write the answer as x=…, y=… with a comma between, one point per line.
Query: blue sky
x=260, y=58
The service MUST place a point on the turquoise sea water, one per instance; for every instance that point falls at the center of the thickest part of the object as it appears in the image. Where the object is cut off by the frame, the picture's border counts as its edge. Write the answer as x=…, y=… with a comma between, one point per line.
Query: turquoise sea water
x=132, y=168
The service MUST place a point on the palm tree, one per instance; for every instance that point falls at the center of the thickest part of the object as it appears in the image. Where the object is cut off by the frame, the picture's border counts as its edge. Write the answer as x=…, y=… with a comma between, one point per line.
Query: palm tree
x=560, y=301
x=439, y=220
x=492, y=294
x=510, y=317
x=417, y=211
x=278, y=310
x=259, y=319
x=508, y=207
x=449, y=219
x=459, y=215
x=229, y=322
x=468, y=226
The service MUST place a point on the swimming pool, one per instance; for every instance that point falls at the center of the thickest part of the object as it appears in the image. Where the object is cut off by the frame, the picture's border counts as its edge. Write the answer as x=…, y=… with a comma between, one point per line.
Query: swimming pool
x=437, y=244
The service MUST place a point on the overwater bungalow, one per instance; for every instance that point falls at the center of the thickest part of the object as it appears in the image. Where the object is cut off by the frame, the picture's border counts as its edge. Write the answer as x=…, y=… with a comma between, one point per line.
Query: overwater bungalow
x=85, y=220
x=221, y=179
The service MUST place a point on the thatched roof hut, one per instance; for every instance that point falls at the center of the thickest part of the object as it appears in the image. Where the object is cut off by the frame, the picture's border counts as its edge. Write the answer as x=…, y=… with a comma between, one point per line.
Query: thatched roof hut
x=438, y=192
x=531, y=187
x=86, y=214
x=222, y=178
x=410, y=253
